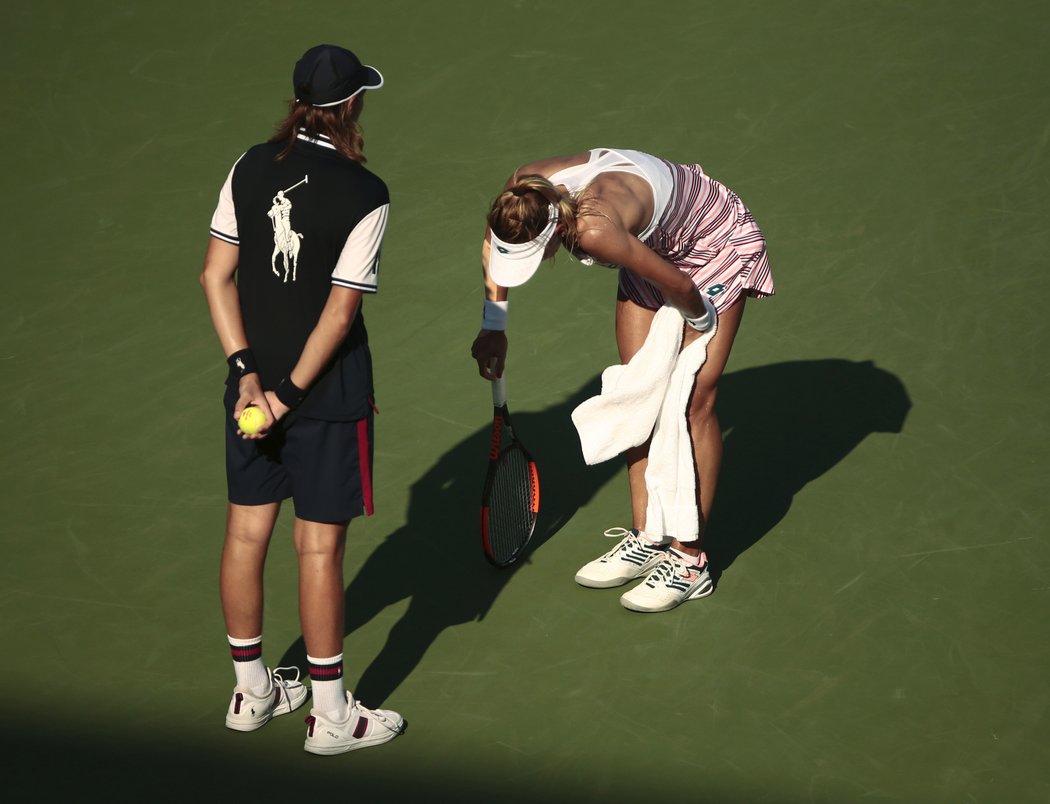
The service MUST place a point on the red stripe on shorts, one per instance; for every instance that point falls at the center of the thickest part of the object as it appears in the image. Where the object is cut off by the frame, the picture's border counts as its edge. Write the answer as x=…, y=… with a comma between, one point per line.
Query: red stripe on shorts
x=366, y=473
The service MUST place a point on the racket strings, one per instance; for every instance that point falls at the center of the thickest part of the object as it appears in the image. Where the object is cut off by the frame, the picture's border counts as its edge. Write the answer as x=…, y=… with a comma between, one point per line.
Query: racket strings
x=510, y=505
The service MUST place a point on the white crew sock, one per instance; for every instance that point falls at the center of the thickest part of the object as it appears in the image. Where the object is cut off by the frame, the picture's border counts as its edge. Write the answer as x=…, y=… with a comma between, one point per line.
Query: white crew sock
x=326, y=683
x=248, y=664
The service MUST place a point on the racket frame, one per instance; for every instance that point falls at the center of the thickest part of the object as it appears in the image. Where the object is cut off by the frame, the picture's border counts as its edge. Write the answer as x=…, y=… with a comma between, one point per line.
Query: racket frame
x=501, y=423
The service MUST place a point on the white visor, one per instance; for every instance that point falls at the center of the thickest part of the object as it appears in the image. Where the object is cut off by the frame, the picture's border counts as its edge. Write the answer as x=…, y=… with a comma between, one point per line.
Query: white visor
x=512, y=264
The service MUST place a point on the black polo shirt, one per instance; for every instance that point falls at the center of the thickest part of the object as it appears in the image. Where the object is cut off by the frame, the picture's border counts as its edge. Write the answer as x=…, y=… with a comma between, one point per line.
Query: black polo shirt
x=302, y=224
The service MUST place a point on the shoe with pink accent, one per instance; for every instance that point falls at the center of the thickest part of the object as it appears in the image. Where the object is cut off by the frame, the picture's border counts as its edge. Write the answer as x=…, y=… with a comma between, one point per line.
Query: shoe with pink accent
x=249, y=711
x=362, y=728
x=671, y=583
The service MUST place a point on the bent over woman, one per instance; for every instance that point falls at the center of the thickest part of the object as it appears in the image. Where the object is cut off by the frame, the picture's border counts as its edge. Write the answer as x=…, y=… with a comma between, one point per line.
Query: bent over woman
x=676, y=237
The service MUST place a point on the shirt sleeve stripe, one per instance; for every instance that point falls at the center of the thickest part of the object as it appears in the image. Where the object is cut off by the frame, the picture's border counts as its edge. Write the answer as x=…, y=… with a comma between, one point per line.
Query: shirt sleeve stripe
x=358, y=262
x=227, y=238
x=346, y=283
x=224, y=219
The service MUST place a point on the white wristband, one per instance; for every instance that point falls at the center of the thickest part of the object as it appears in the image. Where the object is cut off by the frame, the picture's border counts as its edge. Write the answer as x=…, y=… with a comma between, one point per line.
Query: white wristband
x=495, y=315
x=707, y=320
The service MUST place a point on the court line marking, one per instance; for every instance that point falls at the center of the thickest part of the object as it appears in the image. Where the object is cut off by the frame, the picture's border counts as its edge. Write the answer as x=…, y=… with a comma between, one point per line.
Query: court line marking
x=958, y=549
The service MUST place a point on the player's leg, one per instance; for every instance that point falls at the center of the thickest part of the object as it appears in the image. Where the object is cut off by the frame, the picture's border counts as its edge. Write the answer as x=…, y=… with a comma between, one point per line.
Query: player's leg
x=632, y=327
x=331, y=466
x=635, y=554
x=704, y=429
x=683, y=573
x=248, y=530
x=260, y=694
x=320, y=548
x=256, y=485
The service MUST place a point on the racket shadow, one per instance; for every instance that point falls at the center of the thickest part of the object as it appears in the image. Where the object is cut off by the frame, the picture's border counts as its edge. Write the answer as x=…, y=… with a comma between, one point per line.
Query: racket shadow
x=435, y=560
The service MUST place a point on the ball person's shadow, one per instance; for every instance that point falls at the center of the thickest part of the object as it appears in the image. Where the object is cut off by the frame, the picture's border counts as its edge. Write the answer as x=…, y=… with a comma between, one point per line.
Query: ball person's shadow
x=787, y=424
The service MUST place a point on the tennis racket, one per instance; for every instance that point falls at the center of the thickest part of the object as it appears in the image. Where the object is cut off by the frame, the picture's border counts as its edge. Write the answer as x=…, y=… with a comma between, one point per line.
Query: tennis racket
x=510, y=500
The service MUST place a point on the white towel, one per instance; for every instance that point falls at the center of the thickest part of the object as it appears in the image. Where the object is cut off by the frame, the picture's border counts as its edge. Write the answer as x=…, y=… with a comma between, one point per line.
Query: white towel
x=623, y=415
x=670, y=477
x=649, y=396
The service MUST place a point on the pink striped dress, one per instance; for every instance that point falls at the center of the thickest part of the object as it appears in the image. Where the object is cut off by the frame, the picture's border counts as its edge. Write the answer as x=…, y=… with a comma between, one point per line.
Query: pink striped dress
x=698, y=225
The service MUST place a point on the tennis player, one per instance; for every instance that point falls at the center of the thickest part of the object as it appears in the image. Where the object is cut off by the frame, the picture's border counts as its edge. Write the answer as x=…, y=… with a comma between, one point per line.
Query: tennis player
x=676, y=236
x=295, y=246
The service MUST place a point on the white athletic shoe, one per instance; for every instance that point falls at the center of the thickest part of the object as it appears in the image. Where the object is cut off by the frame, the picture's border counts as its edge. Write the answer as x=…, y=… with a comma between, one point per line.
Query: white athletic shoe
x=249, y=711
x=671, y=583
x=362, y=728
x=632, y=558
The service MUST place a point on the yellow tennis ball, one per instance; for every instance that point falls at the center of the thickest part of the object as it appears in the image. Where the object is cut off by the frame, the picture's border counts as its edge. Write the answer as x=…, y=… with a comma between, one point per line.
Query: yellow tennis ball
x=252, y=419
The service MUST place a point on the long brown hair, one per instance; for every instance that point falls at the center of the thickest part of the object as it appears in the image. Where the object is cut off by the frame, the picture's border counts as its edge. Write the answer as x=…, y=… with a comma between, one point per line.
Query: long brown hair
x=338, y=123
x=520, y=212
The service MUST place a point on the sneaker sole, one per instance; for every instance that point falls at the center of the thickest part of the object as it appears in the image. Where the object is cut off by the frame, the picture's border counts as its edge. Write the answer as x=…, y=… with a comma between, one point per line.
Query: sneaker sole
x=590, y=583
x=697, y=595
x=247, y=726
x=609, y=583
x=331, y=750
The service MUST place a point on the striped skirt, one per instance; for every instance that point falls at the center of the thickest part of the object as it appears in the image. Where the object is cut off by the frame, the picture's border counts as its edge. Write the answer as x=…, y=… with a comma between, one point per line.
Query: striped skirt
x=708, y=233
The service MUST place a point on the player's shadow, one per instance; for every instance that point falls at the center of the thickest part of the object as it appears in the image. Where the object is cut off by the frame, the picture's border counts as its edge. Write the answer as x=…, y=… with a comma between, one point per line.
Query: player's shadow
x=435, y=560
x=786, y=424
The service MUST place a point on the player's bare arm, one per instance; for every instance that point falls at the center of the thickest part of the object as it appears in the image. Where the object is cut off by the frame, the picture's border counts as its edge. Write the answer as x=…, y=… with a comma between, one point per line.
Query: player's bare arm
x=490, y=346
x=331, y=330
x=607, y=240
x=493, y=292
x=220, y=290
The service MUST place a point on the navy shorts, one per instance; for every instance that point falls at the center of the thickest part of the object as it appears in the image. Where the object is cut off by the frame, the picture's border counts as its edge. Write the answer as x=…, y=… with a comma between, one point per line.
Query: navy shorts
x=325, y=467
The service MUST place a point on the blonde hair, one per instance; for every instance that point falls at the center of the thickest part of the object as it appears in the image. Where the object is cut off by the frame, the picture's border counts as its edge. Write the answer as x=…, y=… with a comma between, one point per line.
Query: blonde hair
x=520, y=212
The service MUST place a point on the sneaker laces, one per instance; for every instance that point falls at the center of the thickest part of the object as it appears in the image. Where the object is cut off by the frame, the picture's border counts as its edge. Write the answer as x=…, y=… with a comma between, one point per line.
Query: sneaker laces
x=668, y=569
x=628, y=539
x=279, y=678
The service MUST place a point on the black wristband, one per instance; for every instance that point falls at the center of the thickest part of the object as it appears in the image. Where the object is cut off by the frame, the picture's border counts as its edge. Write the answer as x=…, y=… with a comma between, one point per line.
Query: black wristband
x=242, y=362
x=290, y=394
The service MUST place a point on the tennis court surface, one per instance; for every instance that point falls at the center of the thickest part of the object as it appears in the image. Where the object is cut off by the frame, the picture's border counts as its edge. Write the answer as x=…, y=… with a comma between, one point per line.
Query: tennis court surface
x=878, y=630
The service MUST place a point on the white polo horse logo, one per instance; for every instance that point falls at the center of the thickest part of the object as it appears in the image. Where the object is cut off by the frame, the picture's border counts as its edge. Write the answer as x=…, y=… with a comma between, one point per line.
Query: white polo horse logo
x=286, y=242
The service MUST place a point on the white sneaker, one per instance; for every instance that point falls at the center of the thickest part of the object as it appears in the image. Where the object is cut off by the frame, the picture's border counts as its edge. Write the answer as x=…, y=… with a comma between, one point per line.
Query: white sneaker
x=249, y=711
x=671, y=583
x=632, y=558
x=362, y=728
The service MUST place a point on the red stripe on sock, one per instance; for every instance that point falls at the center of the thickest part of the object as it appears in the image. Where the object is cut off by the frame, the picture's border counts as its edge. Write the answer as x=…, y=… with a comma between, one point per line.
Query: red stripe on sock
x=246, y=654
x=326, y=672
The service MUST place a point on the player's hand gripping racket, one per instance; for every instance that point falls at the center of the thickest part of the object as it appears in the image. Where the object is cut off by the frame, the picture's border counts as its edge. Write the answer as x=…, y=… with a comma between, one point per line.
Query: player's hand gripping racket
x=510, y=500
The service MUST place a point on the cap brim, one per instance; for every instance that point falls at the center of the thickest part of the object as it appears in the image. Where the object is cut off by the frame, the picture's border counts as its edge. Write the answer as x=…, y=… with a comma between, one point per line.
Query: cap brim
x=373, y=80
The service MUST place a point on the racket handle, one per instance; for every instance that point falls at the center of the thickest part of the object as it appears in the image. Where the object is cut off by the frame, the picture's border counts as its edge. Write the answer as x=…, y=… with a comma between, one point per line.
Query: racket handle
x=499, y=392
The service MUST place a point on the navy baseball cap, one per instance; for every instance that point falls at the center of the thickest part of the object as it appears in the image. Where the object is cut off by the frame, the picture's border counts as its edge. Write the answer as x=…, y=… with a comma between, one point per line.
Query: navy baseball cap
x=328, y=75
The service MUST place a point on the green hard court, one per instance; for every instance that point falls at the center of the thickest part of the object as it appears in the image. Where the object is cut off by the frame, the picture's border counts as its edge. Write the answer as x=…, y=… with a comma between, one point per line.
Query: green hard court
x=879, y=630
